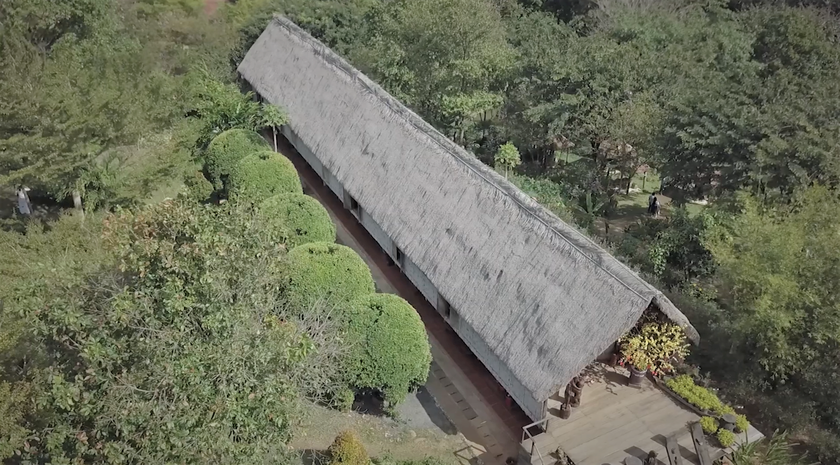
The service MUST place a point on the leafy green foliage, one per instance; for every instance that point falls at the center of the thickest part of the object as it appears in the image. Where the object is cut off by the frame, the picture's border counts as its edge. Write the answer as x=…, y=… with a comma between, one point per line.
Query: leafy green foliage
x=672, y=249
x=225, y=151
x=392, y=354
x=347, y=449
x=507, y=158
x=343, y=400
x=77, y=86
x=698, y=396
x=725, y=437
x=198, y=187
x=166, y=343
x=325, y=271
x=777, y=269
x=709, y=424
x=741, y=423
x=299, y=216
x=262, y=175
x=426, y=51
x=221, y=106
x=775, y=451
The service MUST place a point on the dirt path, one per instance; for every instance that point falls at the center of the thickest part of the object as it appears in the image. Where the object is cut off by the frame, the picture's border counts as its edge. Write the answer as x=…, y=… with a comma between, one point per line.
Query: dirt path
x=210, y=6
x=381, y=436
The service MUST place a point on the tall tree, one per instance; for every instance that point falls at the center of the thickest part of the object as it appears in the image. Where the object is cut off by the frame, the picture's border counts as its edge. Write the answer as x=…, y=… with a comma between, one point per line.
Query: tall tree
x=429, y=50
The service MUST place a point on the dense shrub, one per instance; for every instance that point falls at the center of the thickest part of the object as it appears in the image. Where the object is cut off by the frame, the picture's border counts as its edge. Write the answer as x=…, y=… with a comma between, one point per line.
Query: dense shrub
x=347, y=449
x=392, y=353
x=198, y=187
x=326, y=271
x=698, y=396
x=302, y=218
x=343, y=400
x=725, y=437
x=262, y=175
x=709, y=424
x=741, y=424
x=225, y=151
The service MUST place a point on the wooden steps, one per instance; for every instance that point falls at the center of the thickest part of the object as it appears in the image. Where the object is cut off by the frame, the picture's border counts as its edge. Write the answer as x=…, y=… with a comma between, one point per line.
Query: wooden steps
x=700, y=444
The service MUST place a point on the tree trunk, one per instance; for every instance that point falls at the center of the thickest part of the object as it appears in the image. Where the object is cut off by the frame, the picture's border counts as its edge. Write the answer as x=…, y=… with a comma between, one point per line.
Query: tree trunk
x=629, y=183
x=274, y=133
x=77, y=201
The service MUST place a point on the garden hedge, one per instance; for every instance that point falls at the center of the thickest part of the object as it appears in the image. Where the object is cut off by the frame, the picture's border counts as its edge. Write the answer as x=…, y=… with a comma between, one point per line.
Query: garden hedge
x=198, y=187
x=263, y=175
x=325, y=271
x=225, y=151
x=302, y=218
x=347, y=449
x=392, y=351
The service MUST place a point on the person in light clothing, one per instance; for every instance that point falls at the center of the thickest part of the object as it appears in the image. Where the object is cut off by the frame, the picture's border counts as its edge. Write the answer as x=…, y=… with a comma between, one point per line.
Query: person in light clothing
x=24, y=206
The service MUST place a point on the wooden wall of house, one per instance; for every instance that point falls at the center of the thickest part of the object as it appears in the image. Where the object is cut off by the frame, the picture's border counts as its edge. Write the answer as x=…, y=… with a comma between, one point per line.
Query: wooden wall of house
x=535, y=409
x=420, y=281
x=376, y=232
x=310, y=157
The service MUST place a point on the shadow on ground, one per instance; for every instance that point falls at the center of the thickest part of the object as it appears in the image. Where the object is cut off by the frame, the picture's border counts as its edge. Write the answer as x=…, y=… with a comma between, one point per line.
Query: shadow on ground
x=314, y=457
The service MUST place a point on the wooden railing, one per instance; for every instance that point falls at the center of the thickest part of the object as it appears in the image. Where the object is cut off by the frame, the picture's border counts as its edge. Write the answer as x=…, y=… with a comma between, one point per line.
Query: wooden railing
x=542, y=424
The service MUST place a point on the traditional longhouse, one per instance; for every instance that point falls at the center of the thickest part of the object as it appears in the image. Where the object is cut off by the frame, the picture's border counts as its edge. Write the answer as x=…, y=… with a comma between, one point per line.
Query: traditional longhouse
x=534, y=299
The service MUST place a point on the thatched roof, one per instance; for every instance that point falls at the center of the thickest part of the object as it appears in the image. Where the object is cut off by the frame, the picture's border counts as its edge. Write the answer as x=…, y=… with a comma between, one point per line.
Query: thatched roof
x=544, y=297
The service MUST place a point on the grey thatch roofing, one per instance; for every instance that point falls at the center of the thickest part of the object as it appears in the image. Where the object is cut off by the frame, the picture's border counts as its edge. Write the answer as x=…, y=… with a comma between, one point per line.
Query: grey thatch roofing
x=544, y=297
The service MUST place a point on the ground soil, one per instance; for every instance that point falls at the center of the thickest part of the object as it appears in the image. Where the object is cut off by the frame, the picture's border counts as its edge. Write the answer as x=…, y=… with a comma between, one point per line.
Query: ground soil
x=381, y=436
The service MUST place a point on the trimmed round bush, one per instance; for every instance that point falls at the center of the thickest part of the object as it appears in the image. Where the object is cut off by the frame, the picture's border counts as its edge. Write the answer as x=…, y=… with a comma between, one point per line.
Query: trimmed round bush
x=263, y=175
x=225, y=151
x=347, y=449
x=392, y=353
x=198, y=187
x=333, y=273
x=302, y=218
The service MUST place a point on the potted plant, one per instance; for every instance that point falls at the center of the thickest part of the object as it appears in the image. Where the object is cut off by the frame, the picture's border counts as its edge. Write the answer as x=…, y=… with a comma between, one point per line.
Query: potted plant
x=653, y=348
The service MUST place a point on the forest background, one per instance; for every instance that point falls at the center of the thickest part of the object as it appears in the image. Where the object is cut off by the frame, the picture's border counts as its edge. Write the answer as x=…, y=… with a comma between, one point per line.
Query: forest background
x=729, y=110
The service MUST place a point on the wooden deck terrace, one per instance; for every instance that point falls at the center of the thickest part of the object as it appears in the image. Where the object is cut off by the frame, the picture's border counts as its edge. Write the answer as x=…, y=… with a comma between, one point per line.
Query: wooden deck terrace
x=615, y=421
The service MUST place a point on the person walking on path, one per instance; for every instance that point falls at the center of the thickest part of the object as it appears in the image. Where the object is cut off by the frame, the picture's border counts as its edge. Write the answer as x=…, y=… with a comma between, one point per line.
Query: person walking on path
x=656, y=207
x=24, y=206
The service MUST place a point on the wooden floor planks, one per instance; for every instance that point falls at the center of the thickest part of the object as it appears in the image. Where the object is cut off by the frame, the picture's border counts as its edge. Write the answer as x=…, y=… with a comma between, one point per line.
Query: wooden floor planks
x=614, y=421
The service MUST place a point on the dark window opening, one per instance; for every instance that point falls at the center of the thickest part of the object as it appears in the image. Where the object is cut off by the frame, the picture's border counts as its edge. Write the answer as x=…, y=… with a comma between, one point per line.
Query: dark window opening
x=398, y=256
x=443, y=307
x=353, y=205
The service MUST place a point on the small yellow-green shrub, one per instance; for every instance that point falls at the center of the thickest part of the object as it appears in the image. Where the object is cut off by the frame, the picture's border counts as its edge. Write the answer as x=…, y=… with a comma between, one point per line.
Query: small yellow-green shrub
x=709, y=424
x=741, y=424
x=697, y=396
x=347, y=449
x=725, y=437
